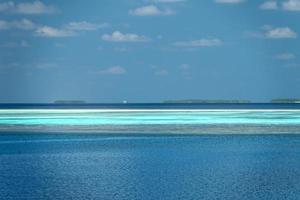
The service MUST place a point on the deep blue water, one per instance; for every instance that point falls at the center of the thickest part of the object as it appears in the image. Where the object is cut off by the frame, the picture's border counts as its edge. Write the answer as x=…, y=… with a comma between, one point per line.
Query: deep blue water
x=91, y=166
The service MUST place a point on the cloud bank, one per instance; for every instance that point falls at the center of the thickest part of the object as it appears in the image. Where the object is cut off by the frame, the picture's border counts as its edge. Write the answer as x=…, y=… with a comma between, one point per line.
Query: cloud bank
x=150, y=10
x=114, y=70
x=117, y=36
x=199, y=43
x=36, y=7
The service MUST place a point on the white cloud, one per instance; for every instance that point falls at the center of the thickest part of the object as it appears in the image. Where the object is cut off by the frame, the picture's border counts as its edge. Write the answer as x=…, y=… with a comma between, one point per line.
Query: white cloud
x=10, y=45
x=150, y=10
x=270, y=32
x=280, y=33
x=6, y=6
x=85, y=26
x=69, y=30
x=24, y=24
x=22, y=43
x=168, y=1
x=161, y=72
x=269, y=5
x=292, y=66
x=291, y=5
x=184, y=67
x=230, y=1
x=114, y=70
x=47, y=31
x=117, y=36
x=36, y=7
x=185, y=70
x=3, y=25
x=10, y=65
x=288, y=5
x=200, y=43
x=121, y=49
x=46, y=65
x=59, y=45
x=285, y=56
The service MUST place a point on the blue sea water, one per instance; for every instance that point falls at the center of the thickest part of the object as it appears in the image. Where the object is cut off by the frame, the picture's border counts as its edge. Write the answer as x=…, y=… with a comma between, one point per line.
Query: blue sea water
x=74, y=166
x=222, y=152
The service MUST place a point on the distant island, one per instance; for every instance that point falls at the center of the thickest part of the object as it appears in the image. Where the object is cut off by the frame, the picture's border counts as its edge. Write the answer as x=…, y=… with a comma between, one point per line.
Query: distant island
x=285, y=101
x=206, y=101
x=69, y=102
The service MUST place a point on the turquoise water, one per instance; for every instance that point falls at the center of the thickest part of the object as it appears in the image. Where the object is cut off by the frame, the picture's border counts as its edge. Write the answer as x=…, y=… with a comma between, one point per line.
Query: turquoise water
x=146, y=120
x=143, y=117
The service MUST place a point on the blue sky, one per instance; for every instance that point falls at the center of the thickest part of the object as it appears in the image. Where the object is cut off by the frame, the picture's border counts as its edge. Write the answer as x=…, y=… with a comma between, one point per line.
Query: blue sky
x=149, y=50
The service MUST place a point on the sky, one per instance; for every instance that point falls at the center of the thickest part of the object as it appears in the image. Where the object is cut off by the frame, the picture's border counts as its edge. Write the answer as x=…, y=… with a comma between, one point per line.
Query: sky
x=148, y=50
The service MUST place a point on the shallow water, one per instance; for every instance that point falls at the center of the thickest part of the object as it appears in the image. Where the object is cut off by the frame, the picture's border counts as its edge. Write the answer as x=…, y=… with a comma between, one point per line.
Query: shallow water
x=151, y=121
x=76, y=166
x=144, y=117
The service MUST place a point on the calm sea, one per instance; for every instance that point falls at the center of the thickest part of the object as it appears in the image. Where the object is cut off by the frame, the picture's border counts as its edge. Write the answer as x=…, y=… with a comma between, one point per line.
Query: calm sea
x=150, y=151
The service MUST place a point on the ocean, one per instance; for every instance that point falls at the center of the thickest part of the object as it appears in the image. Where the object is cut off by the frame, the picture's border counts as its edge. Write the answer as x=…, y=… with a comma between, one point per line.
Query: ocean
x=150, y=151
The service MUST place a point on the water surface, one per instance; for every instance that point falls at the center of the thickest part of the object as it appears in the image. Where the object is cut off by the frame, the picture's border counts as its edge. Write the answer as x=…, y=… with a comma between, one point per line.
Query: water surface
x=150, y=151
x=72, y=166
x=150, y=120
